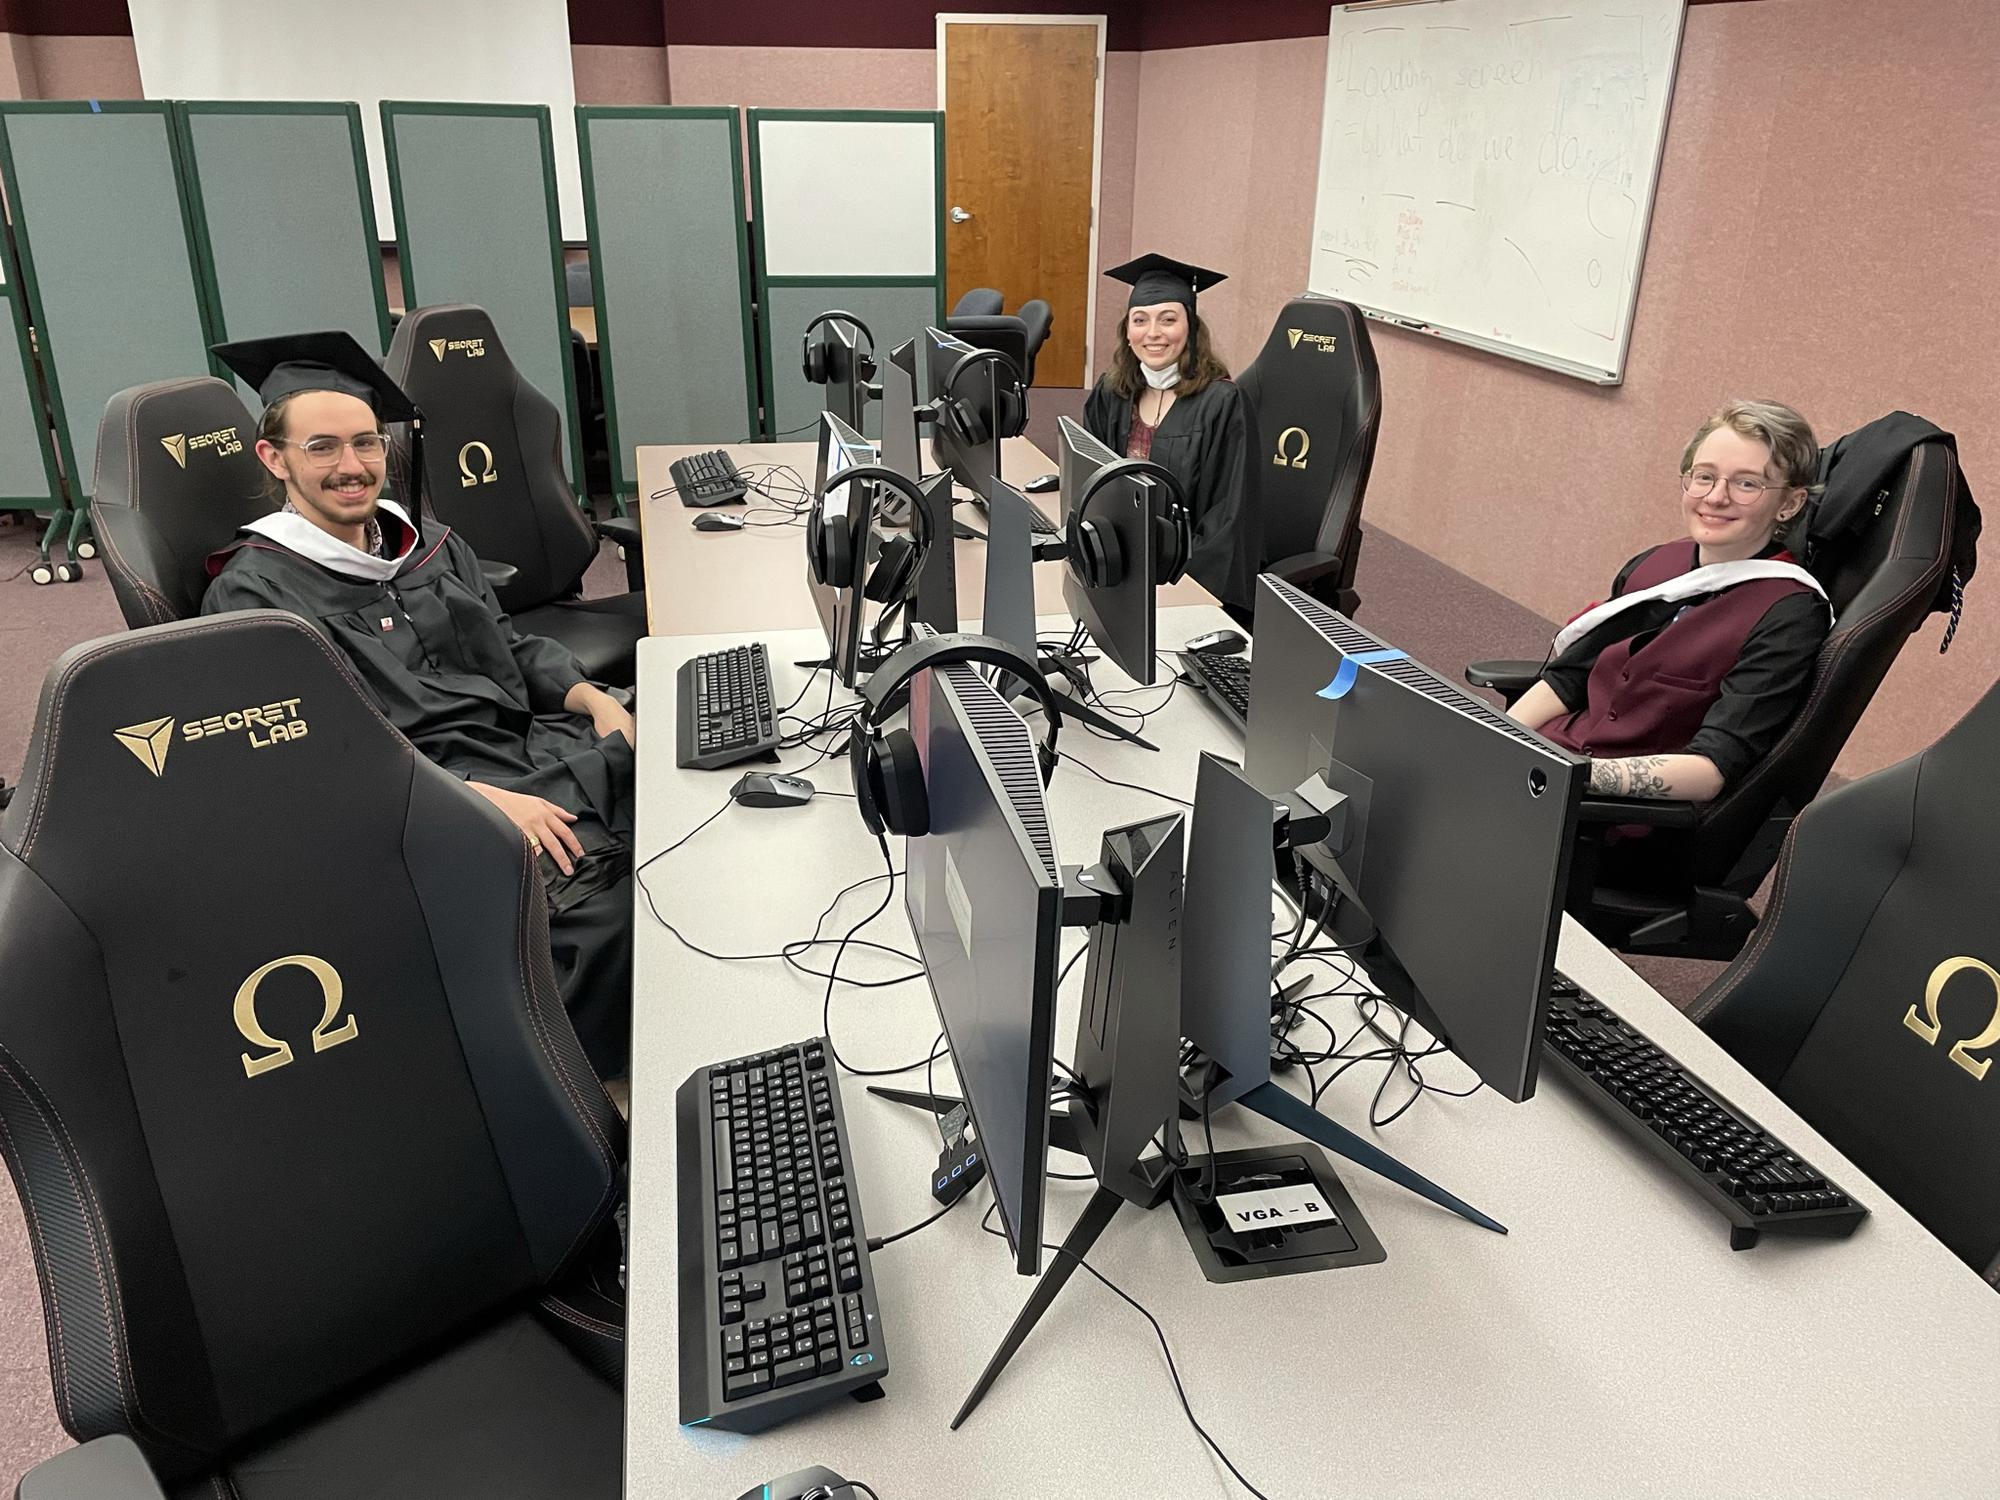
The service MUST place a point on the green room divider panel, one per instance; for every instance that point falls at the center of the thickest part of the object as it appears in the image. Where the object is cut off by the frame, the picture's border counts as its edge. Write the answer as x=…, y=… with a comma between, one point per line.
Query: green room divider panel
x=283, y=219
x=474, y=186
x=663, y=196
x=848, y=213
x=107, y=264
x=28, y=476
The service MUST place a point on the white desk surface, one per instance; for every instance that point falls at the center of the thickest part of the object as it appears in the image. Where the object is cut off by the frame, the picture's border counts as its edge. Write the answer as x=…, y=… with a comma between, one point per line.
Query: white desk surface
x=1611, y=1345
x=703, y=581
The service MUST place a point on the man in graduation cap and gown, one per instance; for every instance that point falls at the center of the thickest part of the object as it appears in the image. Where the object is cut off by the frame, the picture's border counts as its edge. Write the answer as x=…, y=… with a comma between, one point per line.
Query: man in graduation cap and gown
x=405, y=601
x=1168, y=397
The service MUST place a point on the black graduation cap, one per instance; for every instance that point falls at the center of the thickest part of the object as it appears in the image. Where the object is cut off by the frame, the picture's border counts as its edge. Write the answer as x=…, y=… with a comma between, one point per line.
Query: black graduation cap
x=1160, y=278
x=326, y=361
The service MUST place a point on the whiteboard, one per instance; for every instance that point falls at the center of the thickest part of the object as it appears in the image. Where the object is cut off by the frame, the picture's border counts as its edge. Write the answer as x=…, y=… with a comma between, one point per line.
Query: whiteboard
x=1486, y=170
x=449, y=51
x=846, y=196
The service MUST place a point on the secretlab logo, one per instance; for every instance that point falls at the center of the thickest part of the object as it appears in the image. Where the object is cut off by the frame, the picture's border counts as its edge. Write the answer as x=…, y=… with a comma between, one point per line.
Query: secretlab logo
x=265, y=724
x=223, y=441
x=1326, y=343
x=474, y=348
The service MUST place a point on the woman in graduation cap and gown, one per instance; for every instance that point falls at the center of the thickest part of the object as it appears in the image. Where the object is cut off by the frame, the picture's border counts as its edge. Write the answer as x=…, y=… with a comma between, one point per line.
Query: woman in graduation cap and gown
x=407, y=604
x=1168, y=397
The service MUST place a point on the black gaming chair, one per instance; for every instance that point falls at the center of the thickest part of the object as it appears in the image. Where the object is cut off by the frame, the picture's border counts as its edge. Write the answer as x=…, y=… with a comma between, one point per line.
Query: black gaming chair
x=493, y=455
x=979, y=321
x=177, y=475
x=1708, y=859
x=1869, y=1000
x=318, y=1182
x=1318, y=399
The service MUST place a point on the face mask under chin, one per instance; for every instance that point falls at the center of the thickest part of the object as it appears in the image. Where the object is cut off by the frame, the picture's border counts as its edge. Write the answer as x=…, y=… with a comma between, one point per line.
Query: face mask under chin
x=1162, y=380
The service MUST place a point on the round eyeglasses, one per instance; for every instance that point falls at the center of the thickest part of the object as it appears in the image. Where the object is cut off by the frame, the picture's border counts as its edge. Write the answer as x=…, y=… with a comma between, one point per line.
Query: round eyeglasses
x=1744, y=489
x=324, y=452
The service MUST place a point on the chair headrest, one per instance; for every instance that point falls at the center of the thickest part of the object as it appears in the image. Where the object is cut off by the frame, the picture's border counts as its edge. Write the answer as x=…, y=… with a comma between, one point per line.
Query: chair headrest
x=448, y=337
x=183, y=454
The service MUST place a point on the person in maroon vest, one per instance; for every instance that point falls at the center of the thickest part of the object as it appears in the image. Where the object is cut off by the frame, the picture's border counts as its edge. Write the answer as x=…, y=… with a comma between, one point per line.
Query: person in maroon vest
x=1691, y=671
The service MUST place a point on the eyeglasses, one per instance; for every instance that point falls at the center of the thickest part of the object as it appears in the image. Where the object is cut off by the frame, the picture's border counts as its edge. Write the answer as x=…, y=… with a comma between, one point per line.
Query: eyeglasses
x=324, y=452
x=1744, y=489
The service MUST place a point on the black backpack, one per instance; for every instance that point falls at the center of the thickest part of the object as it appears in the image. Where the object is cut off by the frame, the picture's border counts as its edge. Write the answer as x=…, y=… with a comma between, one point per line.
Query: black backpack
x=1852, y=486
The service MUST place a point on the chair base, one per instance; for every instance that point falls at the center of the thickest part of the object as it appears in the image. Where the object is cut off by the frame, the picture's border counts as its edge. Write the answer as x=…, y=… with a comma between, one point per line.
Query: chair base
x=1710, y=924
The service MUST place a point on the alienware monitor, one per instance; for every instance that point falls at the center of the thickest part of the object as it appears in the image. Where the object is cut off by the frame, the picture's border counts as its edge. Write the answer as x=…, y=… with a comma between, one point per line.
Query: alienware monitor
x=846, y=374
x=901, y=449
x=851, y=506
x=973, y=466
x=1454, y=838
x=984, y=896
x=1119, y=610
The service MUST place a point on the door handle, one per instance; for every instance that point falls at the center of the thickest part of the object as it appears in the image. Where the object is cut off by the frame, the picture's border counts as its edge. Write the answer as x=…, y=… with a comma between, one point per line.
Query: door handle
x=959, y=215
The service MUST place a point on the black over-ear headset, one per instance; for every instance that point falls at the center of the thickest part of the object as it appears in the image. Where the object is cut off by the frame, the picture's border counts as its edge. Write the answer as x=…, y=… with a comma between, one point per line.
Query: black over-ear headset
x=888, y=773
x=813, y=356
x=1094, y=553
x=1010, y=399
x=830, y=549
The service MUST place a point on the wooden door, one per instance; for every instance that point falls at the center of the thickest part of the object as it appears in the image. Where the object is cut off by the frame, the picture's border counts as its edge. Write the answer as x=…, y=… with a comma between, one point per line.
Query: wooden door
x=1020, y=148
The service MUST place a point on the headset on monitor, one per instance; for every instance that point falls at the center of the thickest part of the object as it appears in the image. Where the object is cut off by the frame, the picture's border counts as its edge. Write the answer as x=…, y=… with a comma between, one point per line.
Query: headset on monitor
x=888, y=773
x=1094, y=553
x=813, y=356
x=830, y=549
x=1010, y=400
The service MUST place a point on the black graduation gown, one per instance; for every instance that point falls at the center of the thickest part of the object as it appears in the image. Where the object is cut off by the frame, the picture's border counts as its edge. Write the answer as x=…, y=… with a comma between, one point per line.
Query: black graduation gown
x=1209, y=442
x=484, y=701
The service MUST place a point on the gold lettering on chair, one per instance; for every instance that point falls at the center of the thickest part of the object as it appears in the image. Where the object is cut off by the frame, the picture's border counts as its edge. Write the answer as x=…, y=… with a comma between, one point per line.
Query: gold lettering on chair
x=1281, y=458
x=278, y=1053
x=466, y=477
x=1928, y=1026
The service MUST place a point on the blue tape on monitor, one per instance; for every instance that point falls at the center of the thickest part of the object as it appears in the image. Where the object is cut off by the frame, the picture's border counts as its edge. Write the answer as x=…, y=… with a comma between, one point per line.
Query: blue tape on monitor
x=1350, y=668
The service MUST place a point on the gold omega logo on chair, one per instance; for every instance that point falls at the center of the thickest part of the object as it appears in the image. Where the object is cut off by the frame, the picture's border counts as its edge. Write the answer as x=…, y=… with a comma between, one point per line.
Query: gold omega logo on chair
x=277, y=1053
x=1281, y=457
x=466, y=478
x=1927, y=1027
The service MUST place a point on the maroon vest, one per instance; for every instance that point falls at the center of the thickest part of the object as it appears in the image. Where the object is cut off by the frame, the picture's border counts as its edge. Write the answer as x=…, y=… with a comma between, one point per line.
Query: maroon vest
x=1652, y=700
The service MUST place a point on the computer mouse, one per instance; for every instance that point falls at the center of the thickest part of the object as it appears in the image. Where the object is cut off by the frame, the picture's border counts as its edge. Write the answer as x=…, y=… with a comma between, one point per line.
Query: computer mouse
x=818, y=1482
x=715, y=520
x=1218, y=642
x=768, y=789
x=1043, y=485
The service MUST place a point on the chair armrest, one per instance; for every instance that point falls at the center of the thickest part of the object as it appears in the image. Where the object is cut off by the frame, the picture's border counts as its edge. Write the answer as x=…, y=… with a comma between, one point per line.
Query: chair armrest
x=498, y=574
x=106, y=1468
x=1652, y=812
x=1303, y=569
x=624, y=530
x=1039, y=318
x=1510, y=679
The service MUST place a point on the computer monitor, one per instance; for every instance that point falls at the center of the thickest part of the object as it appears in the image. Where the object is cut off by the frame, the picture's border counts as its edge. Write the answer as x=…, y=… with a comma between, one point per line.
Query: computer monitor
x=1118, y=612
x=984, y=896
x=847, y=372
x=852, y=505
x=972, y=465
x=901, y=449
x=1453, y=827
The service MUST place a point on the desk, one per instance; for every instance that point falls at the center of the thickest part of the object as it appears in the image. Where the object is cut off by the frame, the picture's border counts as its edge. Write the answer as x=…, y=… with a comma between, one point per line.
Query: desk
x=754, y=580
x=1611, y=1345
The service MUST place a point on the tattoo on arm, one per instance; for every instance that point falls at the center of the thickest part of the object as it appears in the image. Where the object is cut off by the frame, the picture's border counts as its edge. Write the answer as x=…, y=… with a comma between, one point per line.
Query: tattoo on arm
x=1635, y=776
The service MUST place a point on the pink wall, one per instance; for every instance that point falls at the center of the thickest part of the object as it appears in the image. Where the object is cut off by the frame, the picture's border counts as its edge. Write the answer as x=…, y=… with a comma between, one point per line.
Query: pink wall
x=1852, y=142
x=805, y=77
x=79, y=67
x=619, y=75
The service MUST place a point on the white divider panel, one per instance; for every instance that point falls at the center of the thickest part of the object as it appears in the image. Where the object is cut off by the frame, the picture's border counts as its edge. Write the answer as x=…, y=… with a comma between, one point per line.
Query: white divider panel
x=848, y=195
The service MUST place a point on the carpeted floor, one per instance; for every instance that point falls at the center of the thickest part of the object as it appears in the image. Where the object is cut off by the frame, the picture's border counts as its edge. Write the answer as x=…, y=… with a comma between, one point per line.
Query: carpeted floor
x=1441, y=617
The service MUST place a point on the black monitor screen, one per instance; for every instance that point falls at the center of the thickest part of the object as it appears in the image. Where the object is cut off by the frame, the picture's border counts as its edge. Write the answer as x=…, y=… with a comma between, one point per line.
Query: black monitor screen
x=901, y=450
x=1118, y=612
x=972, y=465
x=846, y=381
x=1460, y=823
x=984, y=897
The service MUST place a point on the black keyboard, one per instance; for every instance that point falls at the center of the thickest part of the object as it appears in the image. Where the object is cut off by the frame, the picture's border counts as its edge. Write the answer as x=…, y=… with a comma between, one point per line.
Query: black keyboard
x=777, y=1297
x=724, y=713
x=1747, y=1174
x=710, y=478
x=1040, y=524
x=1226, y=680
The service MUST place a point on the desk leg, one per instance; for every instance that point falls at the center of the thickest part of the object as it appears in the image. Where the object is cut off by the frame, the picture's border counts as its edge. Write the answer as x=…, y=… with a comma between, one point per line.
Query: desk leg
x=1103, y=1206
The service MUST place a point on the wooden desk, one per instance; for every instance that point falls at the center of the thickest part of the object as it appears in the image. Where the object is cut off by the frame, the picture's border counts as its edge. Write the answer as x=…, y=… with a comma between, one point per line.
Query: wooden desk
x=703, y=582
x=1611, y=1345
